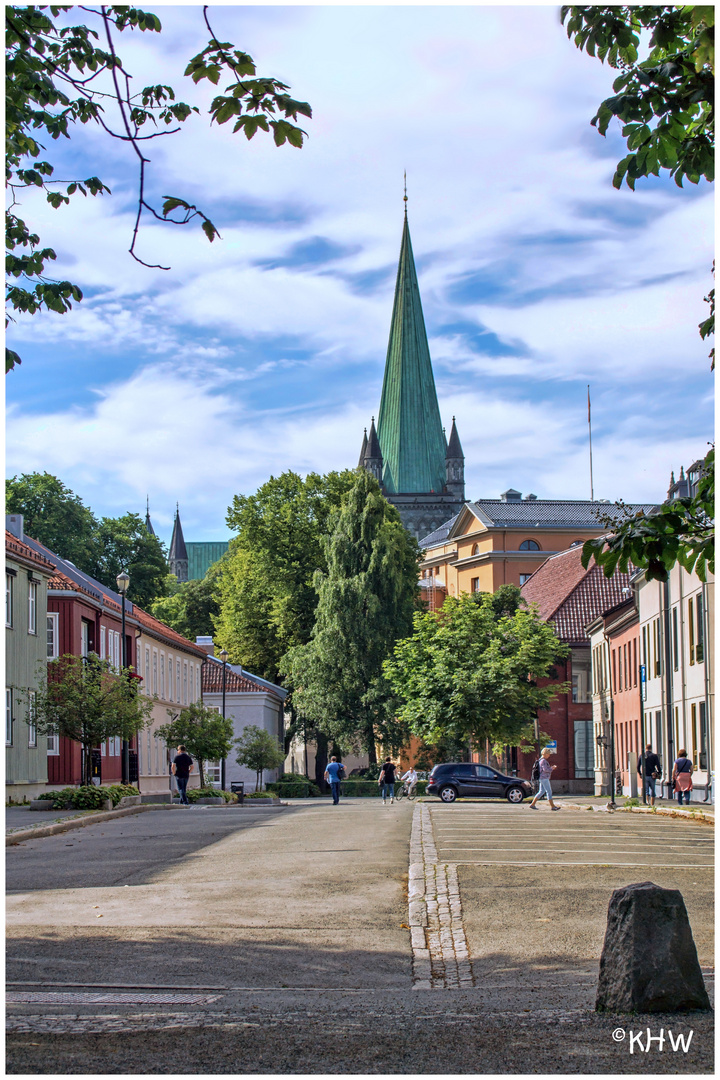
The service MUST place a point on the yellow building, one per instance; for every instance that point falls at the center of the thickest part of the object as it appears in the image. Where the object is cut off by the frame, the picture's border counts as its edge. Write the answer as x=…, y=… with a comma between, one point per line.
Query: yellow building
x=494, y=542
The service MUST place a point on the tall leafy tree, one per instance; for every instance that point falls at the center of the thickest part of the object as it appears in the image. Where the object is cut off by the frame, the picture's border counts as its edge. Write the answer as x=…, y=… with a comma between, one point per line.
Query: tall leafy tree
x=60, y=73
x=54, y=515
x=366, y=603
x=267, y=592
x=470, y=671
x=84, y=700
x=58, y=518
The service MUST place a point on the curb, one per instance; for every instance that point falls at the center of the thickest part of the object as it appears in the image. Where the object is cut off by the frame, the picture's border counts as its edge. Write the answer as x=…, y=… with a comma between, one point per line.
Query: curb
x=79, y=823
x=660, y=811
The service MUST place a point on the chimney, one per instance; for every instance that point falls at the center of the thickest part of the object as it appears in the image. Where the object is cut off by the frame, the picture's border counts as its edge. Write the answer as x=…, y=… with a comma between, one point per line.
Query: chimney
x=206, y=643
x=14, y=525
x=511, y=495
x=531, y=498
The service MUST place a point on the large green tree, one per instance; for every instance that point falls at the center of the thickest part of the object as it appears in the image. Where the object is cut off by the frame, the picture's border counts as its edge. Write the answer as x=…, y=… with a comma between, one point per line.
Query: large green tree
x=206, y=735
x=58, y=518
x=267, y=591
x=366, y=603
x=469, y=672
x=61, y=72
x=82, y=699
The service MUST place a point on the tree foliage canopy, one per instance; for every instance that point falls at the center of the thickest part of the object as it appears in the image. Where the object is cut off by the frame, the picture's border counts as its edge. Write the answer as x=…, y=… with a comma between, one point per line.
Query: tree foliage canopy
x=82, y=699
x=267, y=592
x=680, y=530
x=58, y=518
x=470, y=671
x=206, y=734
x=60, y=73
x=191, y=607
x=258, y=750
x=666, y=102
x=366, y=602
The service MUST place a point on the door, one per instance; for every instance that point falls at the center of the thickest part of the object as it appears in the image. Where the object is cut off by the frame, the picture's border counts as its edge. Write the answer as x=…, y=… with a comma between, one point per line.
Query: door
x=488, y=782
x=465, y=777
x=96, y=767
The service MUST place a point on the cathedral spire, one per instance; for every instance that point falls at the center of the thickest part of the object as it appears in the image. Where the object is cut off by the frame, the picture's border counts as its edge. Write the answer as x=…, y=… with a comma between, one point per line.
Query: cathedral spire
x=148, y=522
x=409, y=428
x=178, y=558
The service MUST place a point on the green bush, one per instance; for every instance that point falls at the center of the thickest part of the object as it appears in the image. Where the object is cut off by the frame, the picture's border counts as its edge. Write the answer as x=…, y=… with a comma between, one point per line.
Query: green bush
x=118, y=791
x=87, y=797
x=204, y=793
x=261, y=794
x=293, y=788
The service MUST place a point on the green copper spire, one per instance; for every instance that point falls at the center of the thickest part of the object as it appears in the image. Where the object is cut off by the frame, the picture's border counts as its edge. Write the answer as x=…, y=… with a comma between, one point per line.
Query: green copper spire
x=409, y=426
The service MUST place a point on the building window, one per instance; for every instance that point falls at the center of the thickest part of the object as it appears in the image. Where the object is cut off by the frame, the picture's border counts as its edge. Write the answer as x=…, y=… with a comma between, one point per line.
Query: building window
x=8, y=716
x=699, y=648
x=9, y=590
x=84, y=638
x=635, y=663
x=185, y=684
x=102, y=643
x=524, y=578
x=147, y=672
x=691, y=630
x=529, y=545
x=155, y=673
x=584, y=749
x=177, y=681
x=170, y=679
x=613, y=687
x=162, y=675
x=475, y=584
x=675, y=651
x=476, y=549
x=53, y=745
x=31, y=719
x=693, y=734
x=32, y=607
x=52, y=636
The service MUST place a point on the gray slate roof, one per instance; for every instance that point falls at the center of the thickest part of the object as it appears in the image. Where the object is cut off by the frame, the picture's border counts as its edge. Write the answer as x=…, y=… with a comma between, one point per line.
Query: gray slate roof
x=547, y=513
x=534, y=513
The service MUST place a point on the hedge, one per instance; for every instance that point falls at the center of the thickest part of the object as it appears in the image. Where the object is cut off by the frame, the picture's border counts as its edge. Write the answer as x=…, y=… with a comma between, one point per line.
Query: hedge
x=367, y=789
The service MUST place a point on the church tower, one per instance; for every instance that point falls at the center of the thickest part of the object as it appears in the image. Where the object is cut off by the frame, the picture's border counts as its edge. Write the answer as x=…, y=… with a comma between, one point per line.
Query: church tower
x=420, y=473
x=178, y=558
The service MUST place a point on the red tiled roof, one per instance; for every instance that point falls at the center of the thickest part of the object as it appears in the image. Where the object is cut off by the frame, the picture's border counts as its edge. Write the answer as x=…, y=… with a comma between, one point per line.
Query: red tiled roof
x=212, y=681
x=570, y=596
x=166, y=633
x=13, y=546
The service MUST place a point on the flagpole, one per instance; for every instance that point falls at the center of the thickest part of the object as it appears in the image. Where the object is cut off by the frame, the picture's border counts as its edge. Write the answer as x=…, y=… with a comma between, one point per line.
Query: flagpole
x=592, y=489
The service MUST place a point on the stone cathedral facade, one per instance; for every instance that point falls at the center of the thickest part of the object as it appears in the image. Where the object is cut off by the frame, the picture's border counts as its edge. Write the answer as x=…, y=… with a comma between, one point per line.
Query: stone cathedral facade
x=421, y=472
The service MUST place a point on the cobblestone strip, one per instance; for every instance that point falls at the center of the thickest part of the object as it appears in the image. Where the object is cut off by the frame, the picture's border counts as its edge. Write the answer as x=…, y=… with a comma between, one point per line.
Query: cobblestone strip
x=439, y=947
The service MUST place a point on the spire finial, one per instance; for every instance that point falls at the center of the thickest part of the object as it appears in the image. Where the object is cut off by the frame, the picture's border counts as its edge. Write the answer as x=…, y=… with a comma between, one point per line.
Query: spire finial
x=405, y=190
x=147, y=504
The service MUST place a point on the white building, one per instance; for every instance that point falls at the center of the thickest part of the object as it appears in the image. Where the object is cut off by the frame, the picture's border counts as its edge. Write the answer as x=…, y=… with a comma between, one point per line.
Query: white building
x=248, y=700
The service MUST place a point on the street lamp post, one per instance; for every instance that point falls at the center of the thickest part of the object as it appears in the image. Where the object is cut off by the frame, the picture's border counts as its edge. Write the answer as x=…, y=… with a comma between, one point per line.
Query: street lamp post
x=223, y=656
x=123, y=580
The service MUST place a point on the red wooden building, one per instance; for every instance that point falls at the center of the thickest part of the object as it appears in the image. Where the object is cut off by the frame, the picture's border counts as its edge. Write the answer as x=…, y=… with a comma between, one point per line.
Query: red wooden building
x=84, y=616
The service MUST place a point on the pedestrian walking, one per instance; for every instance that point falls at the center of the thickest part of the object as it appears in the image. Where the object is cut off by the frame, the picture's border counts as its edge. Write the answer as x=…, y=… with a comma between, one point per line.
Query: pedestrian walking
x=682, y=777
x=653, y=771
x=182, y=766
x=334, y=773
x=545, y=772
x=387, y=780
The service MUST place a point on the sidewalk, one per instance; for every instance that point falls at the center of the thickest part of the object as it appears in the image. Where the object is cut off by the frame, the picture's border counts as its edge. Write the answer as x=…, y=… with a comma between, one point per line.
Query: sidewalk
x=601, y=801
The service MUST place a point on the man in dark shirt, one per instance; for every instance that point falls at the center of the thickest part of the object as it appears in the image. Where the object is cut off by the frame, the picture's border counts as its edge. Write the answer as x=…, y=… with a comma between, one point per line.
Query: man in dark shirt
x=653, y=771
x=182, y=766
x=387, y=780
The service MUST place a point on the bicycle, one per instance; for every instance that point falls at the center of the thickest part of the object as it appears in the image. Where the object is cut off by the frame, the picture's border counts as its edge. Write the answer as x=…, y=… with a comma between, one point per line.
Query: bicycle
x=405, y=793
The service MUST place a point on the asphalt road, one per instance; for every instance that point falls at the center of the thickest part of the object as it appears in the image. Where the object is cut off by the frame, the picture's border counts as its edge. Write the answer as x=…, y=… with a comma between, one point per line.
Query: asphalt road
x=275, y=941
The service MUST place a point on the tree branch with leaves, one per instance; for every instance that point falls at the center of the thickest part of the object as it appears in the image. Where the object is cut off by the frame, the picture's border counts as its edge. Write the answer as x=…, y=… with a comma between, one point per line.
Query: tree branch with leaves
x=59, y=75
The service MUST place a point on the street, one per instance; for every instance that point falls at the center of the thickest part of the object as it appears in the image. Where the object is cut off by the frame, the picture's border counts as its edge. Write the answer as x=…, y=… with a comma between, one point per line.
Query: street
x=240, y=940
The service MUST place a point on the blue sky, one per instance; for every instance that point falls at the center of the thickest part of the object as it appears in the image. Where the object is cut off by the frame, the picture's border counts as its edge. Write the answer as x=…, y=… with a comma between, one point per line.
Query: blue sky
x=265, y=351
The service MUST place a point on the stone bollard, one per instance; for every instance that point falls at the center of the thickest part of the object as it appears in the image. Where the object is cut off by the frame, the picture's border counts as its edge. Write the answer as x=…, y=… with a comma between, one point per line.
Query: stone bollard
x=649, y=962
